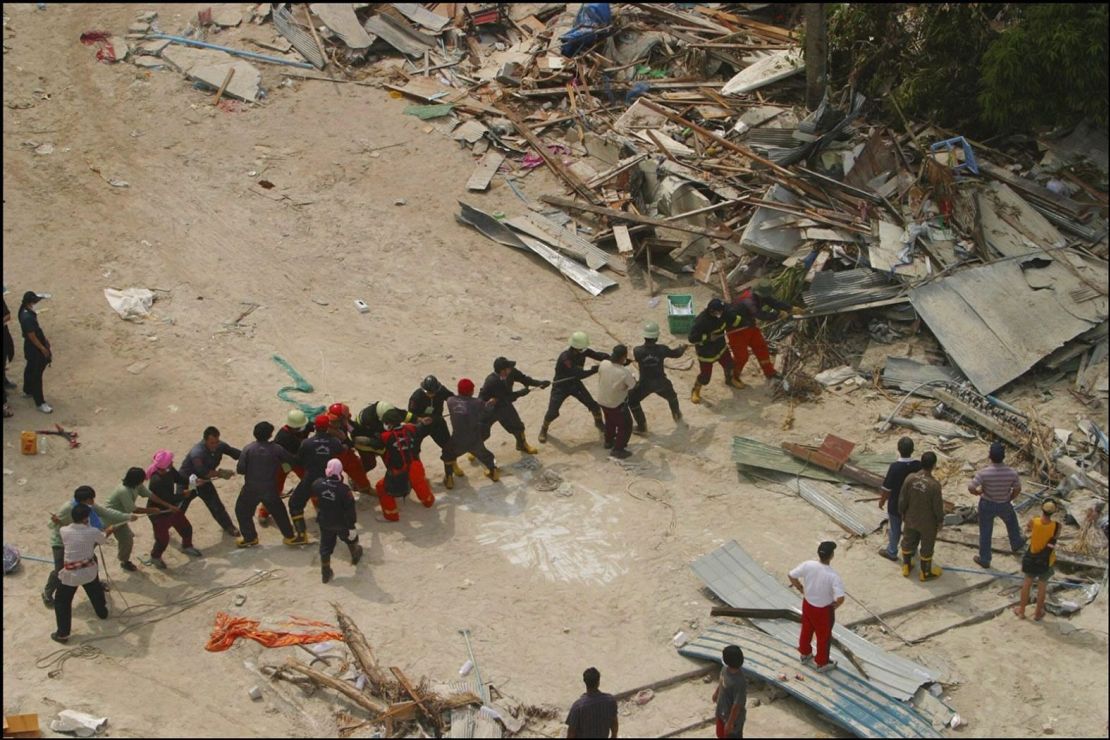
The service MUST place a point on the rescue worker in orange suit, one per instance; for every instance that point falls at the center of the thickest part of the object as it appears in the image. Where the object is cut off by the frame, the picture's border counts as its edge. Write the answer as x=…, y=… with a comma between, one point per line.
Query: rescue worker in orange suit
x=403, y=470
x=497, y=391
x=708, y=337
x=744, y=337
x=289, y=437
x=426, y=407
x=313, y=457
x=570, y=371
x=341, y=428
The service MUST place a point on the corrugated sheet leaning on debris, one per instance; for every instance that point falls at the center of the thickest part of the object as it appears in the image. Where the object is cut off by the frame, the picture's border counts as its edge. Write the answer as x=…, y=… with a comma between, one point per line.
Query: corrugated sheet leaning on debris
x=740, y=582
x=839, y=503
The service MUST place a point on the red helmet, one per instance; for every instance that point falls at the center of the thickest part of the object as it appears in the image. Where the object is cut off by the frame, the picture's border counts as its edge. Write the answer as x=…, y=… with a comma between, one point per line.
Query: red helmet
x=339, y=410
x=323, y=421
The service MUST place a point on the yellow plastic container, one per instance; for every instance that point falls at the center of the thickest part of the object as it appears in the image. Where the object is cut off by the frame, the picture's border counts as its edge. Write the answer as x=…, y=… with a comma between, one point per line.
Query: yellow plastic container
x=29, y=443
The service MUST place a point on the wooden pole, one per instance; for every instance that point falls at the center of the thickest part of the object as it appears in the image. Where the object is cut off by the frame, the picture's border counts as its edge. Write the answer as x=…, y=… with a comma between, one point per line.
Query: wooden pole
x=220, y=94
x=359, y=646
x=816, y=54
x=369, y=703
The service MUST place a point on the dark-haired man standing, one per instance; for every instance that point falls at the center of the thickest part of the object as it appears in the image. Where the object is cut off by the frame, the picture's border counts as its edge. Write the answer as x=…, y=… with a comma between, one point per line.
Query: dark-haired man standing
x=259, y=464
x=203, y=461
x=595, y=712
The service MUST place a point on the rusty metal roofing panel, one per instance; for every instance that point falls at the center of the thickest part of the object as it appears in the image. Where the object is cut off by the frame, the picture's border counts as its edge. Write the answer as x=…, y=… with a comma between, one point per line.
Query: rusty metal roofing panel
x=906, y=375
x=740, y=582
x=844, y=699
x=840, y=503
x=755, y=454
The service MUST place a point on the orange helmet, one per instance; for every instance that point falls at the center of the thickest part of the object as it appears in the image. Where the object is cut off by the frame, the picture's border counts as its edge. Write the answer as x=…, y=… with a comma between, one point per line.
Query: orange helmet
x=339, y=410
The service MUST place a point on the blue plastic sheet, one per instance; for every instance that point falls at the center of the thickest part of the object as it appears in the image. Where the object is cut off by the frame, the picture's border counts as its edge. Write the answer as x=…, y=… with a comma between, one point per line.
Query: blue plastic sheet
x=590, y=23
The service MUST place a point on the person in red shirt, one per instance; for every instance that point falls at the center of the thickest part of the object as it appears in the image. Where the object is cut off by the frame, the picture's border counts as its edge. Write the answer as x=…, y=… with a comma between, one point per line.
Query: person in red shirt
x=403, y=470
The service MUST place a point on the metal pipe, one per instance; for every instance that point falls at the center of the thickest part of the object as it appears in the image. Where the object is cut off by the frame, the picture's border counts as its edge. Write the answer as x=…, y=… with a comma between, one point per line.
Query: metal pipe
x=229, y=50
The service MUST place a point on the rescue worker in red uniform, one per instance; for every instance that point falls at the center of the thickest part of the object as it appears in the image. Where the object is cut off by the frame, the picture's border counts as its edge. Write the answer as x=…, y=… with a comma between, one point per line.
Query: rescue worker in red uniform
x=341, y=428
x=744, y=336
x=708, y=337
x=426, y=407
x=403, y=470
x=289, y=437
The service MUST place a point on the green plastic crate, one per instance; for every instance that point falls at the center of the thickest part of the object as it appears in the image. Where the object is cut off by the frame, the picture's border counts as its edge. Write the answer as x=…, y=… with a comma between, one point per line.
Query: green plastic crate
x=680, y=323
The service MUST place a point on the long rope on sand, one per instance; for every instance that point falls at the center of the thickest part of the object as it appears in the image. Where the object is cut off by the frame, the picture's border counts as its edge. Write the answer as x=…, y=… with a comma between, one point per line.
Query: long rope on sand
x=300, y=385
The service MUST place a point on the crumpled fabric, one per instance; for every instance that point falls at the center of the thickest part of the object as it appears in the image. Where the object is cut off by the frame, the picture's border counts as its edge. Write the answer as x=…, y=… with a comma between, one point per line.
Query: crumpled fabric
x=228, y=629
x=532, y=160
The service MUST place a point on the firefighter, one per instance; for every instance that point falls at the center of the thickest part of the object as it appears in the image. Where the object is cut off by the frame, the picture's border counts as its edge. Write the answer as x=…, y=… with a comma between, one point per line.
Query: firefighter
x=748, y=309
x=341, y=429
x=403, y=470
x=569, y=373
x=313, y=457
x=498, y=389
x=367, y=429
x=290, y=436
x=337, y=517
x=426, y=407
x=708, y=337
x=466, y=427
x=649, y=358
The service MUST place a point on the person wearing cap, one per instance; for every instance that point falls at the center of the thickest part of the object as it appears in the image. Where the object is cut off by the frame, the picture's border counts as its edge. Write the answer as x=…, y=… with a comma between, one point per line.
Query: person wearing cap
x=168, y=494
x=570, y=371
x=259, y=464
x=79, y=568
x=896, y=475
x=336, y=517
x=921, y=507
x=36, y=349
x=997, y=486
x=403, y=470
x=614, y=382
x=1039, y=559
x=466, y=427
x=649, y=358
x=822, y=592
x=289, y=437
x=750, y=307
x=426, y=407
x=731, y=694
x=200, y=466
x=594, y=714
x=708, y=337
x=498, y=394
x=314, y=454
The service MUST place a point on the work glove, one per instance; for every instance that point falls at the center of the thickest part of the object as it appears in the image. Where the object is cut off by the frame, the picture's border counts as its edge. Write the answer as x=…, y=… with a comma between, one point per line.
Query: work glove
x=193, y=481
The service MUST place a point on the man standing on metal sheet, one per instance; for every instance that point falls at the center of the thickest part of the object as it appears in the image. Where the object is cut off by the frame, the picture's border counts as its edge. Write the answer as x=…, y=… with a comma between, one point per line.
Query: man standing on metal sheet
x=498, y=389
x=403, y=470
x=289, y=438
x=569, y=374
x=466, y=427
x=822, y=592
x=653, y=377
x=337, y=517
x=260, y=464
x=614, y=382
x=922, y=510
x=426, y=407
x=731, y=694
x=892, y=486
x=203, y=461
x=708, y=337
x=342, y=428
x=313, y=456
x=997, y=486
x=748, y=309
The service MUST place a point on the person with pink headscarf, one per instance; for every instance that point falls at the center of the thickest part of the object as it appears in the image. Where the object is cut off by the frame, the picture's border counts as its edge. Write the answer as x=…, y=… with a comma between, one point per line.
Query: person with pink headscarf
x=163, y=480
x=336, y=516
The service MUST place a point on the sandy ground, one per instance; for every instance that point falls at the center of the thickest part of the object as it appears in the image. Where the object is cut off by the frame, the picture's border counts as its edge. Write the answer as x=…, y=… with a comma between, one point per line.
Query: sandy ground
x=548, y=584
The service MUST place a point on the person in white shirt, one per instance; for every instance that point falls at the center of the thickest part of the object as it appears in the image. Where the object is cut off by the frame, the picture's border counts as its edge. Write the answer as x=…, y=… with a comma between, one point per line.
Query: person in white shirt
x=79, y=568
x=614, y=381
x=822, y=592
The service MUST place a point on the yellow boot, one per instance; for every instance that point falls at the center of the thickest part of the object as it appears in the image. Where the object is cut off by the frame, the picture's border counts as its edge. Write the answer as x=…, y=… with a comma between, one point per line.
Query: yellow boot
x=494, y=474
x=523, y=446
x=907, y=563
x=458, y=472
x=928, y=570
x=695, y=395
x=471, y=459
x=735, y=382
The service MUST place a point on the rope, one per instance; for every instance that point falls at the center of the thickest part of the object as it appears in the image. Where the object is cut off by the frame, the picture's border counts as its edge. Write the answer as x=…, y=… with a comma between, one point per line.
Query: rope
x=144, y=614
x=300, y=385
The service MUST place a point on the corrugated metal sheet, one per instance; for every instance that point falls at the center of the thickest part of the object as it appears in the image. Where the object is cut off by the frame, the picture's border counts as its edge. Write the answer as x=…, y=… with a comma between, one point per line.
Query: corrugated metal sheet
x=302, y=40
x=906, y=374
x=564, y=240
x=847, y=701
x=756, y=454
x=468, y=721
x=777, y=243
x=939, y=427
x=997, y=321
x=837, y=291
x=740, y=582
x=859, y=518
x=398, y=35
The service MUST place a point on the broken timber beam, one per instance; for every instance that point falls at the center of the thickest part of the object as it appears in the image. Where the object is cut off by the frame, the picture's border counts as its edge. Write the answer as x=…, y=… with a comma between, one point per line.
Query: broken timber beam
x=553, y=162
x=665, y=682
x=822, y=460
x=905, y=609
x=369, y=703
x=360, y=648
x=635, y=218
x=407, y=685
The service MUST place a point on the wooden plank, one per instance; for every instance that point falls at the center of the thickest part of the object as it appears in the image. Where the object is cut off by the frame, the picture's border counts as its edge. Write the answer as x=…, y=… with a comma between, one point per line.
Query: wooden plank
x=402, y=679
x=623, y=238
x=554, y=163
x=635, y=218
x=484, y=172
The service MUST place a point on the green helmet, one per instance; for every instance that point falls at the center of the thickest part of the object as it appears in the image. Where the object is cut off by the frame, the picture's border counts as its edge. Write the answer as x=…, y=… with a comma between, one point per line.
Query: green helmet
x=384, y=407
x=651, y=330
x=763, y=288
x=579, y=340
x=296, y=419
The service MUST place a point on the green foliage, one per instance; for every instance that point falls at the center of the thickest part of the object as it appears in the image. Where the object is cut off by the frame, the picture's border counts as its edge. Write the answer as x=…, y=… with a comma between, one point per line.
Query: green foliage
x=1049, y=68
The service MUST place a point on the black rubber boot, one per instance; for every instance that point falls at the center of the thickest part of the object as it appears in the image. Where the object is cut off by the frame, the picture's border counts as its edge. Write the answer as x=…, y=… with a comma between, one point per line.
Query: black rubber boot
x=325, y=570
x=356, y=551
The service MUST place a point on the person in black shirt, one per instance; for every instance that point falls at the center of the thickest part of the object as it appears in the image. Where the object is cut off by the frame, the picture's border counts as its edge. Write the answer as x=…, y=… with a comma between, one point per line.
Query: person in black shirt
x=426, y=407
x=168, y=496
x=36, y=349
x=313, y=456
x=708, y=337
x=569, y=373
x=336, y=516
x=653, y=377
x=896, y=475
x=203, y=461
x=595, y=712
x=499, y=396
x=259, y=464
x=289, y=437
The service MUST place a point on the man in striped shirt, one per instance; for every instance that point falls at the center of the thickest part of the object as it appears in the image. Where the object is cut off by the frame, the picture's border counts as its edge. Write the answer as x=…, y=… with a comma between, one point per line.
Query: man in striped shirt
x=595, y=712
x=996, y=485
x=78, y=569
